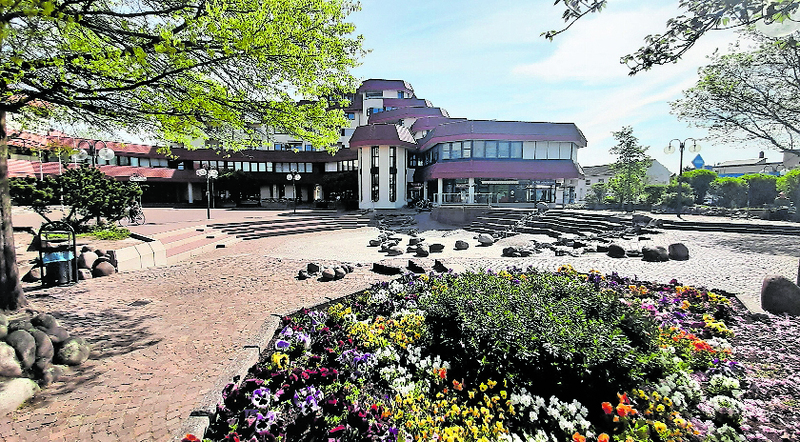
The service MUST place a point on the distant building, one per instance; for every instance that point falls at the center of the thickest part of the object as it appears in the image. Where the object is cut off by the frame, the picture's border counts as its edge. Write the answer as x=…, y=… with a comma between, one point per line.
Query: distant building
x=736, y=168
x=656, y=174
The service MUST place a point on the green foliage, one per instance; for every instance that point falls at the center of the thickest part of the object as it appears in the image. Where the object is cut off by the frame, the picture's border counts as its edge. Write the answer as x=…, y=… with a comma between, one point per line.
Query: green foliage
x=761, y=188
x=110, y=232
x=540, y=326
x=670, y=196
x=742, y=96
x=87, y=191
x=183, y=70
x=789, y=184
x=596, y=194
x=700, y=180
x=729, y=192
x=653, y=193
x=630, y=168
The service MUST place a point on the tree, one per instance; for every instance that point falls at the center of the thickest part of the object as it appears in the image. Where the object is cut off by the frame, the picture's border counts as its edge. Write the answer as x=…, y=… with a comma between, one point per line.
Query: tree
x=697, y=17
x=597, y=194
x=630, y=169
x=749, y=96
x=673, y=194
x=761, y=188
x=699, y=179
x=87, y=191
x=182, y=70
x=653, y=192
x=729, y=191
x=789, y=184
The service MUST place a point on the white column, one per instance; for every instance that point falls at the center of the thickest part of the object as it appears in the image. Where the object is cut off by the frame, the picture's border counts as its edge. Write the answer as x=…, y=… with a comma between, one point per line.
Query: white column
x=440, y=183
x=424, y=190
x=471, y=184
x=190, y=191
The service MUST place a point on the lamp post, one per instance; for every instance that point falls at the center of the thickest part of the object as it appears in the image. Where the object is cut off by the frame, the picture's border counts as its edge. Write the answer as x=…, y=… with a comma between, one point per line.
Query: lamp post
x=208, y=174
x=86, y=149
x=681, y=146
x=293, y=176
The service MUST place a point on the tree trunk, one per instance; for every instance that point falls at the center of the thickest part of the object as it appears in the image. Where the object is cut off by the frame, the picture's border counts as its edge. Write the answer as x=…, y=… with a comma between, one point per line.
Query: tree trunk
x=11, y=295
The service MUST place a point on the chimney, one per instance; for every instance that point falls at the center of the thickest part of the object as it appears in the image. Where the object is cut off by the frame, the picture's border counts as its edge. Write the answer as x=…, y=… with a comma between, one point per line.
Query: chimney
x=761, y=154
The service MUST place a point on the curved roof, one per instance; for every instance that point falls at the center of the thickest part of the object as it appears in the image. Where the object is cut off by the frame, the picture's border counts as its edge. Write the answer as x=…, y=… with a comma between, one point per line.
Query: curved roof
x=503, y=130
x=512, y=169
x=382, y=135
x=394, y=115
x=428, y=123
x=406, y=102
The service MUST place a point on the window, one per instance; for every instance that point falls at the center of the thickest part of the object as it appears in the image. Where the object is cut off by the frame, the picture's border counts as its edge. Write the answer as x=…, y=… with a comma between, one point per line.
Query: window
x=445, y=151
x=601, y=180
x=237, y=165
x=309, y=148
x=245, y=167
x=541, y=150
x=588, y=182
x=350, y=115
x=516, y=149
x=295, y=146
x=262, y=167
x=309, y=168
x=278, y=146
x=491, y=149
x=375, y=173
x=455, y=150
x=144, y=162
x=124, y=161
x=269, y=166
x=373, y=94
x=503, y=149
x=466, y=150
x=400, y=94
x=478, y=148
x=392, y=174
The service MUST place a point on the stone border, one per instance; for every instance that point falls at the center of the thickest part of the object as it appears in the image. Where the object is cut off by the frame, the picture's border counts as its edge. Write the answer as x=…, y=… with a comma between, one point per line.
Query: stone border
x=199, y=420
x=150, y=253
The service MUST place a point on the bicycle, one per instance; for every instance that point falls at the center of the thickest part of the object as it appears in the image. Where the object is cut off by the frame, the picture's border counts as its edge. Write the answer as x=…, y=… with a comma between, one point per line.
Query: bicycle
x=135, y=216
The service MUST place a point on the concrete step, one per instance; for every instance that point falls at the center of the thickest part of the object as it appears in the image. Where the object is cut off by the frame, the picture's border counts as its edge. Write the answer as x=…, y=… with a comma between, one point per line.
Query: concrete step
x=199, y=247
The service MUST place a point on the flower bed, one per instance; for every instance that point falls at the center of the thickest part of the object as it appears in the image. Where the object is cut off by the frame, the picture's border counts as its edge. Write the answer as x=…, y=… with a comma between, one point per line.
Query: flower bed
x=514, y=355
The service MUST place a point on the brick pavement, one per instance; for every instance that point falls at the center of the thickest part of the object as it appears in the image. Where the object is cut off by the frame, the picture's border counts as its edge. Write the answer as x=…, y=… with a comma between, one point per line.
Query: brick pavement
x=155, y=360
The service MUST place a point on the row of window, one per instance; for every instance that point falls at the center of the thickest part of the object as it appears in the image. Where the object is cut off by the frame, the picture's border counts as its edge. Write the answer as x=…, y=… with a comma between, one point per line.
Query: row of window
x=379, y=94
x=493, y=149
x=481, y=149
x=247, y=166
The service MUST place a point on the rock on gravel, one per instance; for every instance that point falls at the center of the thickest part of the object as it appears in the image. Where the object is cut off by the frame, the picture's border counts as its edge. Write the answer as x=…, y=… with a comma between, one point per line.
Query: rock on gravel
x=780, y=295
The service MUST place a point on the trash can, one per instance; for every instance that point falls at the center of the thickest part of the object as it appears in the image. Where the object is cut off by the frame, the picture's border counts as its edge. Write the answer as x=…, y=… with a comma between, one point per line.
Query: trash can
x=58, y=266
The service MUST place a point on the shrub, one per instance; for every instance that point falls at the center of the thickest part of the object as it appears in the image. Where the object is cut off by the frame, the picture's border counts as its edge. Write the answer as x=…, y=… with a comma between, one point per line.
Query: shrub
x=700, y=180
x=789, y=184
x=729, y=191
x=761, y=189
x=653, y=193
x=110, y=232
x=670, y=197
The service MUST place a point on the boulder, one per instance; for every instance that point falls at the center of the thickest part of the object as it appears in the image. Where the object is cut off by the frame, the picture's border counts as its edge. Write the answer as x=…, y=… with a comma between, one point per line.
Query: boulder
x=20, y=324
x=349, y=268
x=73, y=351
x=57, y=335
x=678, y=252
x=302, y=274
x=414, y=267
x=485, y=239
x=328, y=275
x=15, y=392
x=313, y=268
x=414, y=240
x=53, y=373
x=615, y=251
x=602, y=248
x=375, y=242
x=100, y=252
x=86, y=259
x=44, y=321
x=9, y=363
x=103, y=268
x=84, y=274
x=511, y=252
x=25, y=346
x=633, y=253
x=780, y=295
x=339, y=273
x=384, y=269
x=655, y=254
x=411, y=249
x=438, y=266
x=44, y=346
x=436, y=248
x=423, y=250
x=33, y=275
x=462, y=245
x=87, y=248
x=394, y=251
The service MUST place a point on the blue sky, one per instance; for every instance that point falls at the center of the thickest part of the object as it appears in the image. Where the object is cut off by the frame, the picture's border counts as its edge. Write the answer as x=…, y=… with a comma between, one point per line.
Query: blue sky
x=486, y=60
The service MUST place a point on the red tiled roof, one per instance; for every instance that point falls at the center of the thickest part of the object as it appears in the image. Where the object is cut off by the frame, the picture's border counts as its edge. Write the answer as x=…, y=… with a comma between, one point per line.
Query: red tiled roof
x=382, y=135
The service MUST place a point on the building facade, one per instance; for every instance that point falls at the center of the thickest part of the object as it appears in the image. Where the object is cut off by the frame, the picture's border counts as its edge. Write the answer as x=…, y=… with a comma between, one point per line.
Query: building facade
x=657, y=173
x=397, y=148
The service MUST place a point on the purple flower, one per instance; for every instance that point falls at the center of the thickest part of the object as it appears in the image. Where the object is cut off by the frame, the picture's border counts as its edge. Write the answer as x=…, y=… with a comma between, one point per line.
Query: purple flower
x=282, y=345
x=262, y=397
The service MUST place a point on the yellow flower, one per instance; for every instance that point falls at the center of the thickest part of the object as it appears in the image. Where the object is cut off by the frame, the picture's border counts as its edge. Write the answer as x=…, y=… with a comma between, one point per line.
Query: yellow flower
x=660, y=408
x=279, y=359
x=483, y=386
x=659, y=426
x=503, y=394
x=491, y=383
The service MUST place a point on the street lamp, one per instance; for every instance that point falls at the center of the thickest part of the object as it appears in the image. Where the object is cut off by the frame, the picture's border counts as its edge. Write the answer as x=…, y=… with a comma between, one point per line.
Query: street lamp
x=209, y=174
x=87, y=149
x=293, y=176
x=671, y=149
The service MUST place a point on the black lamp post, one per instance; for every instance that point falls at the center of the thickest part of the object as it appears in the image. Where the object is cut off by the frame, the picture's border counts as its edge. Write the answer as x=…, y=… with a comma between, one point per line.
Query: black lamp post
x=694, y=147
x=209, y=174
x=293, y=176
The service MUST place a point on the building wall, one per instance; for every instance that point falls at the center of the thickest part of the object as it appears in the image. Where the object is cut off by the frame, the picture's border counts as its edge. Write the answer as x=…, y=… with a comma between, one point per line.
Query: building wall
x=365, y=178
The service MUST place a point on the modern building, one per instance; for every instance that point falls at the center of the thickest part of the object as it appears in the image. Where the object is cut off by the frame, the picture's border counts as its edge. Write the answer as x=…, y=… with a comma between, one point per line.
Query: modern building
x=397, y=148
x=657, y=173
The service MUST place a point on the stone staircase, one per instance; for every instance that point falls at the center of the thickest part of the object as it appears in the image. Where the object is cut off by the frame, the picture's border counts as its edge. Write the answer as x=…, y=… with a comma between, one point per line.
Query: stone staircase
x=182, y=244
x=733, y=227
x=293, y=224
x=502, y=223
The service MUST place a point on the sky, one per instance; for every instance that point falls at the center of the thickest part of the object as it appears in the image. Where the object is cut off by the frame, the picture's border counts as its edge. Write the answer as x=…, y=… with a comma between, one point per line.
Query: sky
x=487, y=61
